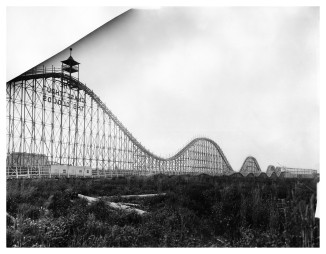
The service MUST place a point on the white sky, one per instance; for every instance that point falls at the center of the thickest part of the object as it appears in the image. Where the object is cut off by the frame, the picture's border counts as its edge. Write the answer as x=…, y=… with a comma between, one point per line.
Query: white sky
x=245, y=77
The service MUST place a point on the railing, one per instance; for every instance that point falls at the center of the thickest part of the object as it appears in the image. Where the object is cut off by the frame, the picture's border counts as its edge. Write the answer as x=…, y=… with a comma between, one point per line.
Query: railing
x=43, y=70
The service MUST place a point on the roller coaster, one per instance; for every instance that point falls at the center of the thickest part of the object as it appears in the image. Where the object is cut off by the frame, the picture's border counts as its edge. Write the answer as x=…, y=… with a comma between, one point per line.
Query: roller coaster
x=54, y=119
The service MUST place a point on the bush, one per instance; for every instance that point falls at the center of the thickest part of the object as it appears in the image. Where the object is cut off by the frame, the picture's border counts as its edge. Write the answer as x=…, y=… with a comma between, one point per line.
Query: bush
x=196, y=211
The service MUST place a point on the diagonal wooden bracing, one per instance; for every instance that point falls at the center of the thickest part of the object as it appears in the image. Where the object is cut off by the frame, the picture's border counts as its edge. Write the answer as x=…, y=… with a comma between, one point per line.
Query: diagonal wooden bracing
x=53, y=116
x=250, y=165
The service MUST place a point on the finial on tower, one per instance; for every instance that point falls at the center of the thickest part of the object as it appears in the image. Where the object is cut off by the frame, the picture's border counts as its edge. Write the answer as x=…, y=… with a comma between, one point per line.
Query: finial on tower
x=70, y=51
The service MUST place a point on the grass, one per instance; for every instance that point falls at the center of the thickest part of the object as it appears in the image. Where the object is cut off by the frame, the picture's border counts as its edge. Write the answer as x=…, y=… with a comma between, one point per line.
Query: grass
x=198, y=211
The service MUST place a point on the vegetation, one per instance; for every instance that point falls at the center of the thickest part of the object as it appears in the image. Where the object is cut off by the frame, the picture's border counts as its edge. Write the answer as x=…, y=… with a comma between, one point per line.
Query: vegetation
x=197, y=211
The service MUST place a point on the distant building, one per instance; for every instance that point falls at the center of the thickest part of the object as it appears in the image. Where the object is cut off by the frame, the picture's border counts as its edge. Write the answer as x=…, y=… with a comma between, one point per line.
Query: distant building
x=37, y=165
x=70, y=171
x=26, y=159
x=27, y=165
x=299, y=172
x=287, y=172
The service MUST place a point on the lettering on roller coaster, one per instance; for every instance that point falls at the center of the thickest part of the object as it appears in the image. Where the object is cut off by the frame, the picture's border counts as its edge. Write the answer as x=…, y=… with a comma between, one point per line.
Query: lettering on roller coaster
x=66, y=95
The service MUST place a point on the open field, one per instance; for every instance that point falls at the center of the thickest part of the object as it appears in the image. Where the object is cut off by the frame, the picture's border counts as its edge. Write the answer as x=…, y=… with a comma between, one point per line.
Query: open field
x=196, y=211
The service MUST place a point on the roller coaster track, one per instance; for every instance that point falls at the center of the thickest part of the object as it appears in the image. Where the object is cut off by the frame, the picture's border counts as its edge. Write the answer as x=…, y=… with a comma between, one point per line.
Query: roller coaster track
x=201, y=154
x=250, y=165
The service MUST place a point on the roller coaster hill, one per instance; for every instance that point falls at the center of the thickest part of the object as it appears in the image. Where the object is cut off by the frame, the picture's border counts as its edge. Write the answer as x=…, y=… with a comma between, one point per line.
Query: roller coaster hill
x=58, y=127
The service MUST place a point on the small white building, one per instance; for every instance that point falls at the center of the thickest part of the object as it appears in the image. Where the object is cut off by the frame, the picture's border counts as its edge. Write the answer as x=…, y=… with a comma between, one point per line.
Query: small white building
x=70, y=171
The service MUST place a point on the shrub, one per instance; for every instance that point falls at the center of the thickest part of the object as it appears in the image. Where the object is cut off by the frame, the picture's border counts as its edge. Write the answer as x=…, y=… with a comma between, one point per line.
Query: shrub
x=197, y=211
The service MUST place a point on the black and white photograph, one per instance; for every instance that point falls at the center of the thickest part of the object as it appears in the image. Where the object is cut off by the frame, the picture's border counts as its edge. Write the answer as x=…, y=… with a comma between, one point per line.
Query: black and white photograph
x=162, y=126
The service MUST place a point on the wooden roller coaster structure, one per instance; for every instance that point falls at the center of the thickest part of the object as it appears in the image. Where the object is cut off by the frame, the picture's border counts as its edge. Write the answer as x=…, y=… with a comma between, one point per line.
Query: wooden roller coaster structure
x=54, y=119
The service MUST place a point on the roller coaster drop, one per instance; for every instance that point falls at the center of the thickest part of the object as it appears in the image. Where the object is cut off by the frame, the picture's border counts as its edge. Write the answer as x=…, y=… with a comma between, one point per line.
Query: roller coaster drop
x=53, y=118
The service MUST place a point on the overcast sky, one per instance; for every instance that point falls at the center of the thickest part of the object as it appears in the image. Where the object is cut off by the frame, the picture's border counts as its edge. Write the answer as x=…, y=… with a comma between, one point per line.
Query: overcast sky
x=245, y=77
x=32, y=36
